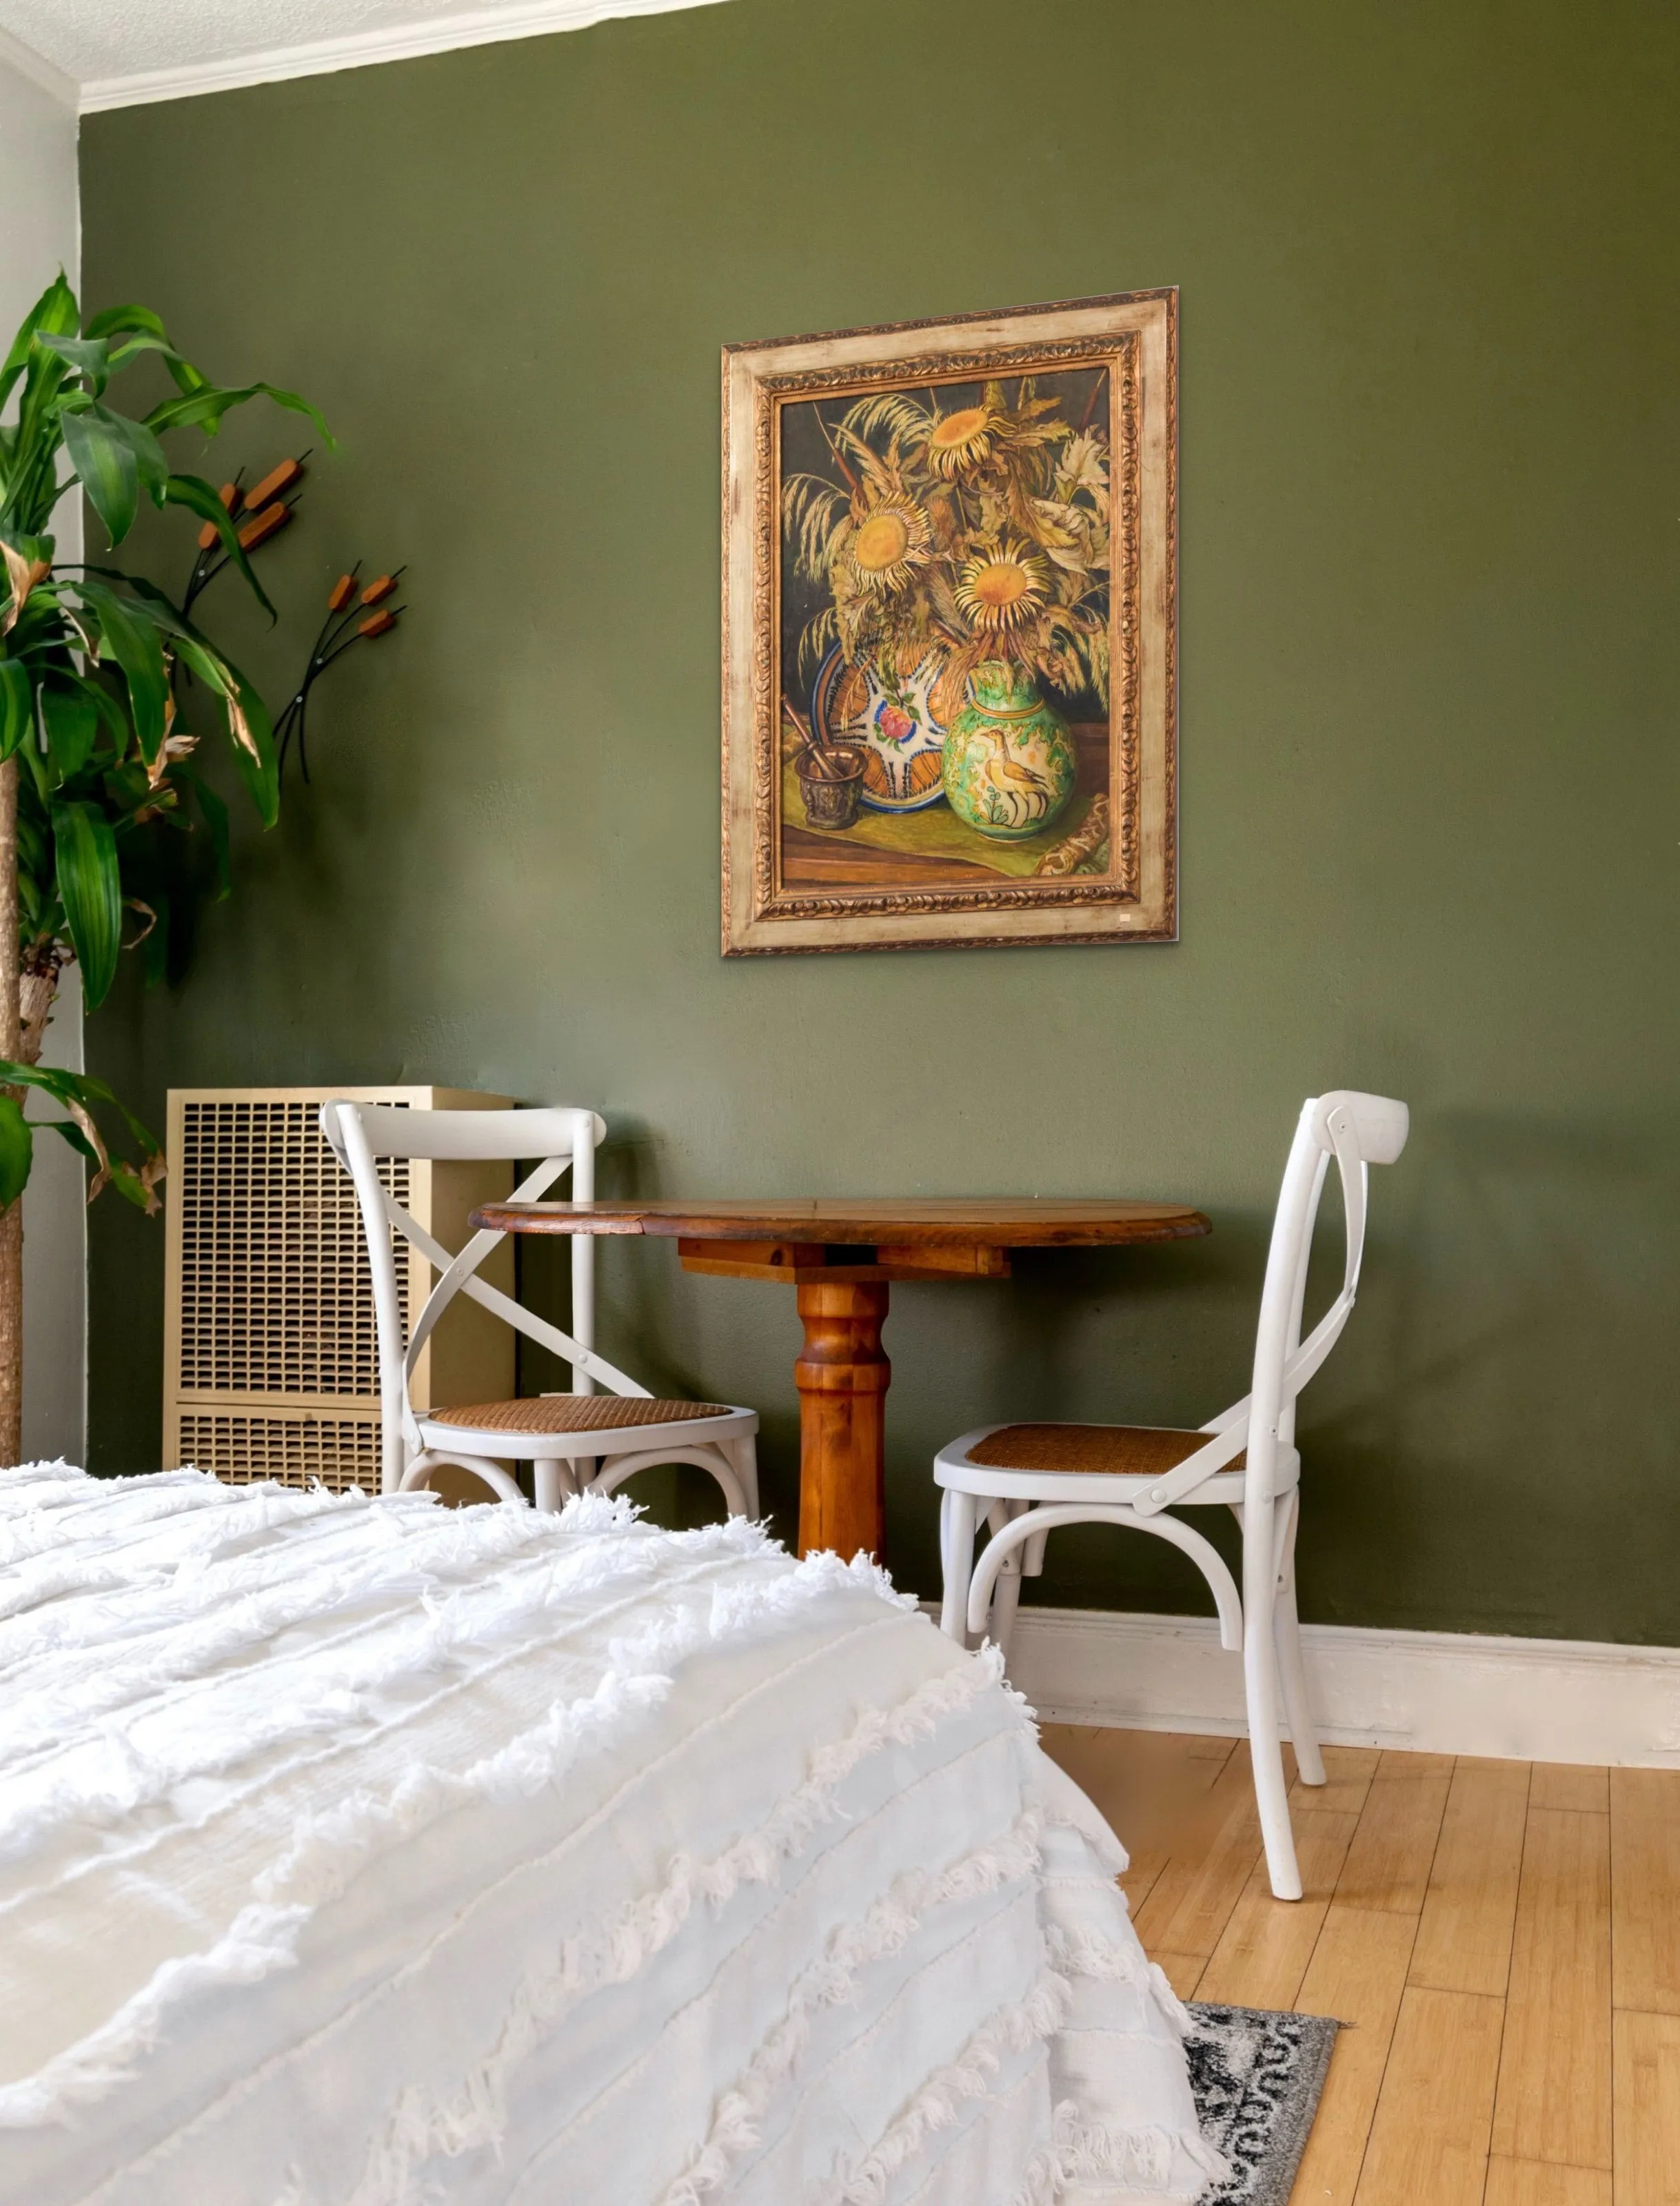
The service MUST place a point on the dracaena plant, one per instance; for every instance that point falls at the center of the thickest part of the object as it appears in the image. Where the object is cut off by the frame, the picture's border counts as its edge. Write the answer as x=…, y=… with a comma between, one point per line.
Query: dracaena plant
x=98, y=673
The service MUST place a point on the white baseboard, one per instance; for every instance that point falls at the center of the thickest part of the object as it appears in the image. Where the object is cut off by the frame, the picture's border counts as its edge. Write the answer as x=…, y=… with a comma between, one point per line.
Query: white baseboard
x=1437, y=1693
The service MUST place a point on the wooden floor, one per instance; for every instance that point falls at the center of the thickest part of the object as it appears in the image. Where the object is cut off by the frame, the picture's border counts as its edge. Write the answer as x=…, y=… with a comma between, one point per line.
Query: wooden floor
x=1504, y=1940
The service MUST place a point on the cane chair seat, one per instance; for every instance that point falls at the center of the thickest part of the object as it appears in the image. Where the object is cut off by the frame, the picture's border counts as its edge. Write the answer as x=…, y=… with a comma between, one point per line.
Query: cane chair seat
x=1111, y=1451
x=574, y=1413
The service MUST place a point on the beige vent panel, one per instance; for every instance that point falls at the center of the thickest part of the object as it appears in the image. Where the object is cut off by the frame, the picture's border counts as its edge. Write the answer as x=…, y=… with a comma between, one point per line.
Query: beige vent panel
x=293, y=1450
x=271, y=1354
x=276, y=1297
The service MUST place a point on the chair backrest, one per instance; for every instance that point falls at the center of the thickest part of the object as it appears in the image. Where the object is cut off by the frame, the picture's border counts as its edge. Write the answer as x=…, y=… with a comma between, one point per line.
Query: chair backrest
x=359, y=1134
x=1359, y=1131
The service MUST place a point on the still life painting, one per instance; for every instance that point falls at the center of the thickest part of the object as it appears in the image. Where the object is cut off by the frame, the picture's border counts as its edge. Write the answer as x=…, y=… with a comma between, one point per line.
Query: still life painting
x=949, y=632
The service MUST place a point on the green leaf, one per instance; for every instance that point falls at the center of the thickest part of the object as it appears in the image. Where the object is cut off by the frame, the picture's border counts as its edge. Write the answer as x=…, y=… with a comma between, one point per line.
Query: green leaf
x=251, y=732
x=74, y=1134
x=91, y=890
x=62, y=1087
x=105, y=462
x=203, y=408
x=17, y=704
x=249, y=728
x=131, y=1187
x=137, y=649
x=119, y=321
x=146, y=333
x=151, y=461
x=53, y=314
x=17, y=1151
x=192, y=491
x=89, y=356
x=70, y=714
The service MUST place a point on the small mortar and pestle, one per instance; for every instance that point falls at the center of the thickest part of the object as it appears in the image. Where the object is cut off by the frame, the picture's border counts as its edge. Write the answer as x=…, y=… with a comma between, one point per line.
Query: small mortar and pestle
x=831, y=776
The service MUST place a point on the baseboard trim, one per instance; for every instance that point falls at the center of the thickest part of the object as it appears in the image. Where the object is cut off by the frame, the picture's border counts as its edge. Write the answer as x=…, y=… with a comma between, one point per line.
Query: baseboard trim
x=483, y=25
x=1437, y=1692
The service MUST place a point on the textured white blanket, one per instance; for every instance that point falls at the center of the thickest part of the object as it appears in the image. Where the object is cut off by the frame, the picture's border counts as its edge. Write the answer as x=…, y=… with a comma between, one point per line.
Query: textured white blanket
x=357, y=1852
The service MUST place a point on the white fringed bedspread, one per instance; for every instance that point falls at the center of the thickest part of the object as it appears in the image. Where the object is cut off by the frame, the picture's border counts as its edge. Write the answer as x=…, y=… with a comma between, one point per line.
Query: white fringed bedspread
x=358, y=1853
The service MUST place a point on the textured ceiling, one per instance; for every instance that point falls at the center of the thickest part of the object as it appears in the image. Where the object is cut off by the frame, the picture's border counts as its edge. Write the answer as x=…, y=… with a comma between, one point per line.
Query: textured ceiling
x=102, y=43
x=116, y=37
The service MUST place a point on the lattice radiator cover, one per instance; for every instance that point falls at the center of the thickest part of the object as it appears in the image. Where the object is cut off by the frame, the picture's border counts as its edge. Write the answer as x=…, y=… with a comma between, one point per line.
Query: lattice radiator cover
x=270, y=1351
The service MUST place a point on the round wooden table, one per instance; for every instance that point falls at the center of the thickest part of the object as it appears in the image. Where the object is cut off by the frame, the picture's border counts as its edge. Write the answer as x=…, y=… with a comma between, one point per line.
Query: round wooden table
x=841, y=1256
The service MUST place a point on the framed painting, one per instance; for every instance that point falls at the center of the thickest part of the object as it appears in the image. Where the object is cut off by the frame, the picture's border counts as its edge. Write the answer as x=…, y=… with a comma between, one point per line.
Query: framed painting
x=949, y=612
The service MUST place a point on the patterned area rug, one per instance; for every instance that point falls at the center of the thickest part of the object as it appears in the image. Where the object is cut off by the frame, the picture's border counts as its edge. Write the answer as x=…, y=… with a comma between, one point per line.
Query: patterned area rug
x=1257, y=2077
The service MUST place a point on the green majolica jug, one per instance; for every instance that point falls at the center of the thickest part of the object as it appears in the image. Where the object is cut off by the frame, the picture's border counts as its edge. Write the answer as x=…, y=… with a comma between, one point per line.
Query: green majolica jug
x=1009, y=765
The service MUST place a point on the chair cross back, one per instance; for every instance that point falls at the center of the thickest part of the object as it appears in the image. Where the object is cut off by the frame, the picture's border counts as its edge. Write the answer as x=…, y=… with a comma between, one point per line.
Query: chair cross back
x=1358, y=1131
x=360, y=1133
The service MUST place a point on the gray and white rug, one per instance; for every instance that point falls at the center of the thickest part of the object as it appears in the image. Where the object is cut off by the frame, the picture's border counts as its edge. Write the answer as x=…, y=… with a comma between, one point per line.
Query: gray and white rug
x=1257, y=2077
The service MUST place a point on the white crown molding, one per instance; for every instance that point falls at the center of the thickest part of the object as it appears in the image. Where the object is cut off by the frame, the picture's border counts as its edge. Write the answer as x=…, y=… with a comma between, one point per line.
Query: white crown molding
x=477, y=26
x=1435, y=1692
x=40, y=70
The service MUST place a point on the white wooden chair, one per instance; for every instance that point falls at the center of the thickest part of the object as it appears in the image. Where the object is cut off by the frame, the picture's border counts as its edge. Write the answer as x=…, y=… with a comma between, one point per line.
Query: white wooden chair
x=576, y=1441
x=1029, y=1480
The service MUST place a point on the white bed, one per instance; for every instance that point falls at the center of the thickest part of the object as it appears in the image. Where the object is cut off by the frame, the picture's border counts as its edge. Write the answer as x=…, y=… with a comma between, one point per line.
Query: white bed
x=359, y=1852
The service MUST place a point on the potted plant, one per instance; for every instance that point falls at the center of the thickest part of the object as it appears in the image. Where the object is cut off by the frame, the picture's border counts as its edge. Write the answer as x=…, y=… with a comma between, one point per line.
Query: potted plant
x=106, y=684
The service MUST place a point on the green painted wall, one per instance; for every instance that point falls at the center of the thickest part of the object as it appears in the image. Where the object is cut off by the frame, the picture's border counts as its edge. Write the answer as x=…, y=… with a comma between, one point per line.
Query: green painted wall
x=1430, y=669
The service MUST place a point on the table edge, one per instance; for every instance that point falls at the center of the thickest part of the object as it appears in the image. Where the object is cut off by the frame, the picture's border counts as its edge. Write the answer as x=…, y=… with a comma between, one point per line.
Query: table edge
x=1173, y=1223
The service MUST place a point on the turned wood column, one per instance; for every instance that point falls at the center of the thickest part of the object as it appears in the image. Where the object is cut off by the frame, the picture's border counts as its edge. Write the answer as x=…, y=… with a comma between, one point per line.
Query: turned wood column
x=842, y=1377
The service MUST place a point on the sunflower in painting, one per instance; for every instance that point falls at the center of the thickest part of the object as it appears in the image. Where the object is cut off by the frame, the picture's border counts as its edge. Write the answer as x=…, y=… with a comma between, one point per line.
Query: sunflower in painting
x=967, y=520
x=1000, y=589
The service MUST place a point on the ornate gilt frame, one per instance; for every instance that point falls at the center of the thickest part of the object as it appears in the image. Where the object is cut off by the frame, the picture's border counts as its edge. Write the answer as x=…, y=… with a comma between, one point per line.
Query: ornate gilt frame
x=1135, y=335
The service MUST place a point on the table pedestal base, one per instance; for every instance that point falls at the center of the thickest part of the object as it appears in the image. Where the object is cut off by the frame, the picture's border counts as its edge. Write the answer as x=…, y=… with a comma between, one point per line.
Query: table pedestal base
x=842, y=1377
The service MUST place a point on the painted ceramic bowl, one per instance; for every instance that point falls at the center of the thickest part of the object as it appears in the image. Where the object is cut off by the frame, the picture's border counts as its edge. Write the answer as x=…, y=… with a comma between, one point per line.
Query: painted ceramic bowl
x=890, y=716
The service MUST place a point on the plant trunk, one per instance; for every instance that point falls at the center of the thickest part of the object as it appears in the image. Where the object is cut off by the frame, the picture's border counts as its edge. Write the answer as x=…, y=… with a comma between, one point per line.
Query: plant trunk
x=11, y=1219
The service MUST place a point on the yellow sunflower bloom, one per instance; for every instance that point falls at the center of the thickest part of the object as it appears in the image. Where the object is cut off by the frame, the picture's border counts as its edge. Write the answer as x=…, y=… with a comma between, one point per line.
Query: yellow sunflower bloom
x=888, y=545
x=961, y=440
x=1000, y=589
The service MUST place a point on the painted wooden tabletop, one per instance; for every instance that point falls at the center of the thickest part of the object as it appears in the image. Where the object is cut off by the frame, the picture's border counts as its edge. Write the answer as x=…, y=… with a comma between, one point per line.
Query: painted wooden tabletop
x=995, y=1222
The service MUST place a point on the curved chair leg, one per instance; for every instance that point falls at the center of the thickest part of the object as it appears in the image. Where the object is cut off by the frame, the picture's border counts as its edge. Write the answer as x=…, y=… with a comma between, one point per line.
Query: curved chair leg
x=419, y=1474
x=1291, y=1669
x=1259, y=1678
x=956, y=1553
x=708, y=1456
x=1006, y=1599
x=744, y=1454
x=1049, y=1516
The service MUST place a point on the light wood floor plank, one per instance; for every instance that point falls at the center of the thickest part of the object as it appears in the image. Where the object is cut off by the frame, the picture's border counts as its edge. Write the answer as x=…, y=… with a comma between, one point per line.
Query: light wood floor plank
x=1648, y=2110
x=1357, y=1973
x=1389, y=1862
x=1439, y=2087
x=1393, y=1761
x=1347, y=1773
x=1146, y=1783
x=1564, y=1785
x=1463, y=1940
x=1645, y=1854
x=1554, y=2100
x=1533, y=2183
x=1183, y=1971
x=1263, y=1952
x=1429, y=2138
x=1192, y=1900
